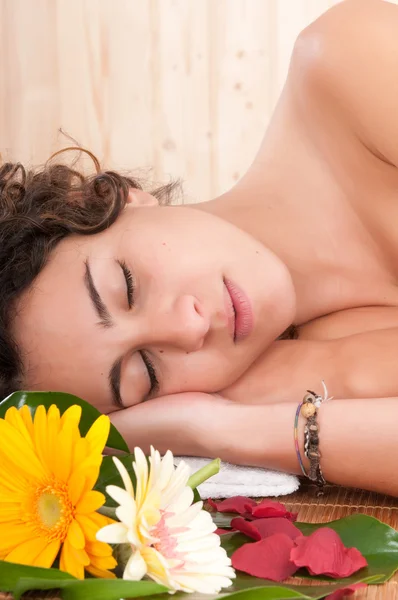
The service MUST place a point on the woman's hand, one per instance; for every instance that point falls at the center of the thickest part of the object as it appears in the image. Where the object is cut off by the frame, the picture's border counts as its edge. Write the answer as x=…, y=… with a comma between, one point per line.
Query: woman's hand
x=189, y=423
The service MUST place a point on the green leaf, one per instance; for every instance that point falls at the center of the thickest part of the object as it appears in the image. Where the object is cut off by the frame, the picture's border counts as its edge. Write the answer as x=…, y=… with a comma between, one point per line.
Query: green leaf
x=19, y=579
x=10, y=574
x=63, y=401
x=111, y=589
x=223, y=520
x=276, y=592
x=246, y=587
x=100, y=589
x=234, y=540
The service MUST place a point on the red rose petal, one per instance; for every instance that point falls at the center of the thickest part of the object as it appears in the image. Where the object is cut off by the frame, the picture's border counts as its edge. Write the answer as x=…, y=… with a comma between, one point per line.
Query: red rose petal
x=347, y=591
x=263, y=528
x=220, y=531
x=269, y=558
x=236, y=504
x=324, y=553
x=269, y=508
x=246, y=527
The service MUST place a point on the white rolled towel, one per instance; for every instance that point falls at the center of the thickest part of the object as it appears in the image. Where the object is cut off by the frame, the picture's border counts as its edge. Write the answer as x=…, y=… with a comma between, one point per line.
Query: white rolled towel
x=234, y=480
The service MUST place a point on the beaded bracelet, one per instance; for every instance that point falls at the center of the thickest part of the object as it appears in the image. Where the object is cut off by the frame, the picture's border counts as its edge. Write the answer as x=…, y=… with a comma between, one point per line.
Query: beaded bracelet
x=309, y=409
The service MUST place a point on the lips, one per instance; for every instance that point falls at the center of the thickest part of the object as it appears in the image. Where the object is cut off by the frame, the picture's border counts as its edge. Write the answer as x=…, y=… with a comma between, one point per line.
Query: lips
x=239, y=311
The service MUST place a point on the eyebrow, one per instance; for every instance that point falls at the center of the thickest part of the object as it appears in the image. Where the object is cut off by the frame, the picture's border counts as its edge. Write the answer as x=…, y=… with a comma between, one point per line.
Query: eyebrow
x=99, y=305
x=106, y=322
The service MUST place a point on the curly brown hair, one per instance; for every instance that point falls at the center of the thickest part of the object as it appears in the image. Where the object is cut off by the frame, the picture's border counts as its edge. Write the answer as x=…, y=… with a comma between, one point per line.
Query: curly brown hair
x=39, y=208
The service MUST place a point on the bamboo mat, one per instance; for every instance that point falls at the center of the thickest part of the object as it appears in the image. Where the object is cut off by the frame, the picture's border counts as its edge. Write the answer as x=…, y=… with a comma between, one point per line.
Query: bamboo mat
x=337, y=502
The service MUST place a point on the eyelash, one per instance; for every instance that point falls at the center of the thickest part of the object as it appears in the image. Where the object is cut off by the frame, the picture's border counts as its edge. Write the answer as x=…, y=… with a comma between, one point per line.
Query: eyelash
x=151, y=372
x=129, y=283
x=130, y=299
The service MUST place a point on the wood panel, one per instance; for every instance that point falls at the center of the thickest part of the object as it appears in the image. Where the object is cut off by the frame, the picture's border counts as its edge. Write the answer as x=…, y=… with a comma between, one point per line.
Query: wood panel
x=172, y=88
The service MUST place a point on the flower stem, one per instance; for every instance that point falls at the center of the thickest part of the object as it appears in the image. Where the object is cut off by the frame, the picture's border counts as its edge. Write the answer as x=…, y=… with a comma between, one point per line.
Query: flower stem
x=204, y=473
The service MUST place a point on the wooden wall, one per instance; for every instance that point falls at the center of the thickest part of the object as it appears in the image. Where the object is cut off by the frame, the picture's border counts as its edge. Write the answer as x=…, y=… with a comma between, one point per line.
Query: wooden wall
x=175, y=88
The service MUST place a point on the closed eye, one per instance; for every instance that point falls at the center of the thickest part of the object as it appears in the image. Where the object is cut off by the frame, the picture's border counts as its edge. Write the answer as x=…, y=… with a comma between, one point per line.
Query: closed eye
x=129, y=282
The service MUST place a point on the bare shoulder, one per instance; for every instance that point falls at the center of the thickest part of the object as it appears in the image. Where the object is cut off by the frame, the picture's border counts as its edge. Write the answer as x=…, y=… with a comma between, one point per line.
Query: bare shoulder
x=353, y=15
x=353, y=33
x=348, y=60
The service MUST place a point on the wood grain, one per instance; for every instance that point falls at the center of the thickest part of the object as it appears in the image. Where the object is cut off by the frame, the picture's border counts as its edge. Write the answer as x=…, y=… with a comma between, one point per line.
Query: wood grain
x=173, y=88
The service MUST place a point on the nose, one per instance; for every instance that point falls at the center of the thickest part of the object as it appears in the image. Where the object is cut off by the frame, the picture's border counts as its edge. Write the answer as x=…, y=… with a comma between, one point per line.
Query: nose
x=183, y=324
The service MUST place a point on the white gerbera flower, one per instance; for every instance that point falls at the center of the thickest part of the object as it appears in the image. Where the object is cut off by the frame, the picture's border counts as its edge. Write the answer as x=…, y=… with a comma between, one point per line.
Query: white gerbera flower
x=172, y=540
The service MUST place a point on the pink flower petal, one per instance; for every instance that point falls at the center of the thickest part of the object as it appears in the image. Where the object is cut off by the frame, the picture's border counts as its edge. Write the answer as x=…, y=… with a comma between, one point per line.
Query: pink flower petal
x=268, y=558
x=263, y=528
x=220, y=531
x=236, y=504
x=324, y=553
x=347, y=591
x=269, y=508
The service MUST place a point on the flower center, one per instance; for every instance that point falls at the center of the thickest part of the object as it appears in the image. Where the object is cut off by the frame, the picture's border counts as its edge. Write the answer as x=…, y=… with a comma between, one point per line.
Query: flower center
x=50, y=510
x=167, y=543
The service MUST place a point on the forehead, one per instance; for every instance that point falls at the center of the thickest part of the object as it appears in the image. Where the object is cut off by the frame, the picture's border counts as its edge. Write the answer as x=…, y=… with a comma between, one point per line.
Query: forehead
x=53, y=318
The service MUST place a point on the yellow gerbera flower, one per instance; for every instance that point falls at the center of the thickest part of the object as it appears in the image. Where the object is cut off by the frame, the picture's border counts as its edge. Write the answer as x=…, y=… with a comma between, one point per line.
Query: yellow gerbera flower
x=47, y=504
x=172, y=540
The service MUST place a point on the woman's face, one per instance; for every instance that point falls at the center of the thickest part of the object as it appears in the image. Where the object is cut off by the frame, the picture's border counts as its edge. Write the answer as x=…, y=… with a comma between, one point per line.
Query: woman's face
x=167, y=300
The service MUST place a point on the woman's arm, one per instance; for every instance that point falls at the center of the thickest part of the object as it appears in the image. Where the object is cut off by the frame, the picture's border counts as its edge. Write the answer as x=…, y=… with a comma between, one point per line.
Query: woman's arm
x=358, y=440
x=363, y=365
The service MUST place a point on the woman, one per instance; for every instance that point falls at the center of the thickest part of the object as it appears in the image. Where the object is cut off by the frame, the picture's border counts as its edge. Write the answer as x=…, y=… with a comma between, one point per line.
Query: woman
x=185, y=306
